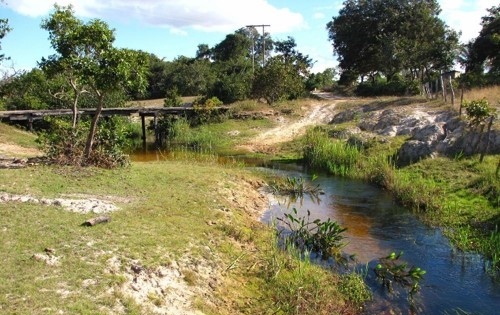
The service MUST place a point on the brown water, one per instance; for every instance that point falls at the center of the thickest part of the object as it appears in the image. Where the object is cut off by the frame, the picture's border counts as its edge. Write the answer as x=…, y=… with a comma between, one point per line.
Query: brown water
x=455, y=283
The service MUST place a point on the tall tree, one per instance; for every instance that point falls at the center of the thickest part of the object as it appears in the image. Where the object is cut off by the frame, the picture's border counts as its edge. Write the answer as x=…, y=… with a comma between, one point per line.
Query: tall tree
x=390, y=36
x=483, y=53
x=86, y=56
x=4, y=29
x=233, y=68
x=284, y=74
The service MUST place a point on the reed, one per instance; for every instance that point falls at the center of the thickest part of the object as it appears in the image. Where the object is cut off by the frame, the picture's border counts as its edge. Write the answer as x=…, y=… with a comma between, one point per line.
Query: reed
x=322, y=152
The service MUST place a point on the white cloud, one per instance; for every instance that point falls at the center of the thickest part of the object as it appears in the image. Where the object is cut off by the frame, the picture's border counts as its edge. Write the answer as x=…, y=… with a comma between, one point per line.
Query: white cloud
x=465, y=16
x=208, y=16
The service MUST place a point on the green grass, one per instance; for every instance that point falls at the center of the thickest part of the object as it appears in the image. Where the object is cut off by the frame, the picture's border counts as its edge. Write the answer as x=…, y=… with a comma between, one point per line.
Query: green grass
x=169, y=210
x=166, y=215
x=18, y=136
x=460, y=195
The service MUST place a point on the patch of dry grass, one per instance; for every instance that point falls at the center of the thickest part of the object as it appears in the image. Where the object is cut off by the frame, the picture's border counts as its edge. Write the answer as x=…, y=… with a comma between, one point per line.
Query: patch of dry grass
x=491, y=93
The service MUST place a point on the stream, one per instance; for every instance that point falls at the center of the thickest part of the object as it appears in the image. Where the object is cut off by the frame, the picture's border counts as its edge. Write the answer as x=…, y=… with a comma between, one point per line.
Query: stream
x=455, y=282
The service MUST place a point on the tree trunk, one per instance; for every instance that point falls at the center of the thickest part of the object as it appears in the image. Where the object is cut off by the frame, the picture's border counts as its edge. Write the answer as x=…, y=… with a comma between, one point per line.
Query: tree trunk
x=93, y=127
x=443, y=87
x=452, y=94
x=75, y=111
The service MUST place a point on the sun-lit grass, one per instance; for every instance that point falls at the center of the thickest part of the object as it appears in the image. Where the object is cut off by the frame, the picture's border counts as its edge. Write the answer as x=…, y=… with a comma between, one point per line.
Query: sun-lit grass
x=12, y=134
x=491, y=93
x=168, y=210
x=165, y=216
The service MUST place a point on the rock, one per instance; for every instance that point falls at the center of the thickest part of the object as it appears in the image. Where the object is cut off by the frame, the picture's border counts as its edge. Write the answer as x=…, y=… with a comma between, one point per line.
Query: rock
x=430, y=133
x=414, y=150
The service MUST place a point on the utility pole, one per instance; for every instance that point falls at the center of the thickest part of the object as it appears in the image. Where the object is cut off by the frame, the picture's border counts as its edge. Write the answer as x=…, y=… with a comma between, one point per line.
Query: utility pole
x=263, y=43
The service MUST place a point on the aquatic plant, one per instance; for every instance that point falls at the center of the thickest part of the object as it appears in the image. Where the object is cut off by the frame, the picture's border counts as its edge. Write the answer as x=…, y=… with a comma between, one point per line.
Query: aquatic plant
x=296, y=187
x=322, y=237
x=391, y=270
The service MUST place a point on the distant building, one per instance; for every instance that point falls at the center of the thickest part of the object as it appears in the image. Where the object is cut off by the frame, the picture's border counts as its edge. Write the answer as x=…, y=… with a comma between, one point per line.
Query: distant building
x=453, y=74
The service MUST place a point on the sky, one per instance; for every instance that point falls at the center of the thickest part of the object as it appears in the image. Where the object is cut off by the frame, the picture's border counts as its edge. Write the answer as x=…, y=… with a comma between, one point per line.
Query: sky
x=171, y=28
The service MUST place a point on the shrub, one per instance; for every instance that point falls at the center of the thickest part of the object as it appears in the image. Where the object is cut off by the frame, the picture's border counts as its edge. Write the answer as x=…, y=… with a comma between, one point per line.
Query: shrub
x=64, y=145
x=205, y=111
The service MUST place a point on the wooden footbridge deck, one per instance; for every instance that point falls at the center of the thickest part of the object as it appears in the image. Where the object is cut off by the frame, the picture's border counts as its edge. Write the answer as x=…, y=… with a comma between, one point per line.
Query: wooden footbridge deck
x=143, y=112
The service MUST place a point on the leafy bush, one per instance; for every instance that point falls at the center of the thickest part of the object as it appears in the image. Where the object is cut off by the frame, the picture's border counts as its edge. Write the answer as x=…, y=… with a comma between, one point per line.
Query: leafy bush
x=396, y=88
x=64, y=145
x=172, y=98
x=205, y=111
x=478, y=111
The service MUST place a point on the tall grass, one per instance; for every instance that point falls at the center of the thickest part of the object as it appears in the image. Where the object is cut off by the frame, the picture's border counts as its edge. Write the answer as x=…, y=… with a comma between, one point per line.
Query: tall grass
x=295, y=285
x=183, y=136
x=322, y=152
x=491, y=93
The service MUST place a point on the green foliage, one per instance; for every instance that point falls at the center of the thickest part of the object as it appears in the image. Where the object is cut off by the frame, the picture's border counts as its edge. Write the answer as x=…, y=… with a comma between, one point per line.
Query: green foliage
x=172, y=98
x=4, y=29
x=355, y=288
x=335, y=156
x=86, y=57
x=205, y=110
x=478, y=111
x=391, y=271
x=395, y=87
x=390, y=36
x=64, y=145
x=277, y=81
x=480, y=56
x=321, y=237
x=32, y=90
x=321, y=81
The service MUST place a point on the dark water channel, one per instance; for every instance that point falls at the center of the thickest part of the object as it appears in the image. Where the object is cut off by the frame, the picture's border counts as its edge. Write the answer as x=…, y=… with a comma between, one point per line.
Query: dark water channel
x=455, y=283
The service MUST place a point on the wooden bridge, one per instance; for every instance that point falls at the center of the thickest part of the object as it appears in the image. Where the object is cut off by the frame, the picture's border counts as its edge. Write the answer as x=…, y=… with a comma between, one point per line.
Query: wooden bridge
x=32, y=114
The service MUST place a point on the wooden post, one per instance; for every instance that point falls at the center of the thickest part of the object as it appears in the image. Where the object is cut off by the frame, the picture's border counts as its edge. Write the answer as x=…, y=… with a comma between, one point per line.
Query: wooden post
x=485, y=147
x=443, y=87
x=155, y=124
x=461, y=103
x=452, y=93
x=143, y=121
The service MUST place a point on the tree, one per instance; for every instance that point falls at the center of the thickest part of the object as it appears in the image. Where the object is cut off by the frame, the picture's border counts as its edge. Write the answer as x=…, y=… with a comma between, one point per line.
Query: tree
x=232, y=66
x=387, y=37
x=4, y=29
x=283, y=75
x=86, y=56
x=483, y=53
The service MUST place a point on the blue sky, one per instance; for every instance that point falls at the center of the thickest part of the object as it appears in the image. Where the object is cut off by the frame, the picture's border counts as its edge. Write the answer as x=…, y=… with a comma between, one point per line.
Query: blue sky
x=170, y=28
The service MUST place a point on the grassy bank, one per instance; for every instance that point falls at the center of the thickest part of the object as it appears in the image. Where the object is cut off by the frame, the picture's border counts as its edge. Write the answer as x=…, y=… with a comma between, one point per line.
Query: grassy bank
x=184, y=229
x=460, y=195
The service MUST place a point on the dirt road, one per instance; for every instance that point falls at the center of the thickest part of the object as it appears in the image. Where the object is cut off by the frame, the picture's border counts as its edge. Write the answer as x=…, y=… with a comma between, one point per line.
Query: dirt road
x=318, y=112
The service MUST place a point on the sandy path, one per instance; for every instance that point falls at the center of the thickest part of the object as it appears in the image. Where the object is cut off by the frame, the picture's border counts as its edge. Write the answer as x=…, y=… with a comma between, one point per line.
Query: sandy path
x=320, y=112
